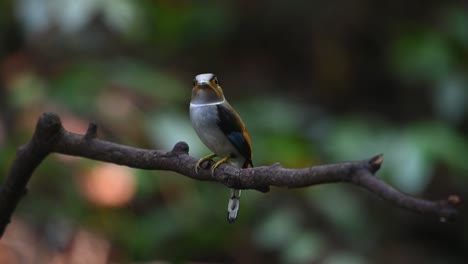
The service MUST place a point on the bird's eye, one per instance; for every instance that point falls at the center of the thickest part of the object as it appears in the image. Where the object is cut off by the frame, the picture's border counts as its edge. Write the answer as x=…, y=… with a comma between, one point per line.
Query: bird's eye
x=215, y=80
x=194, y=82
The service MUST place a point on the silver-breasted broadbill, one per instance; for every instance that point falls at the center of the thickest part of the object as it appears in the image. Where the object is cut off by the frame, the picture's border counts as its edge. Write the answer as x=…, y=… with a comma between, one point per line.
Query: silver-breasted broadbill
x=221, y=129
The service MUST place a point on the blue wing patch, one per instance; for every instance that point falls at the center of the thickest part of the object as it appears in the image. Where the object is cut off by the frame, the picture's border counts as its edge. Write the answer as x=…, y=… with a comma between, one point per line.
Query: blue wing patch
x=229, y=123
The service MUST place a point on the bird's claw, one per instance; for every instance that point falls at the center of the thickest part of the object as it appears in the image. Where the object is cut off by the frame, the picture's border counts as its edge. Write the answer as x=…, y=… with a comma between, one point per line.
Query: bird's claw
x=197, y=167
x=213, y=168
x=200, y=161
x=216, y=165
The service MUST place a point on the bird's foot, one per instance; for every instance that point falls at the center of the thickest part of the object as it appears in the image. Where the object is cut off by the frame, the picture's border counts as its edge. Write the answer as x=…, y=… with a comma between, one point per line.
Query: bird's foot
x=221, y=161
x=200, y=161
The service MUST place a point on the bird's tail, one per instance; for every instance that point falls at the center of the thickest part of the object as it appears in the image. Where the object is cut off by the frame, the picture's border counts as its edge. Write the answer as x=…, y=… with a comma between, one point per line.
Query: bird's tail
x=233, y=206
x=234, y=200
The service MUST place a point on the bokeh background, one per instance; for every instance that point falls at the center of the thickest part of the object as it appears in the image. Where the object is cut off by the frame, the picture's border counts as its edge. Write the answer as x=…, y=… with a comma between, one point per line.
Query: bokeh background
x=315, y=81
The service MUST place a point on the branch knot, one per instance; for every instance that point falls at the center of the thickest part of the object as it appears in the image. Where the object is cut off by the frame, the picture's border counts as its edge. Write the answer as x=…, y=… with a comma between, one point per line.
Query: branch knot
x=47, y=128
x=180, y=147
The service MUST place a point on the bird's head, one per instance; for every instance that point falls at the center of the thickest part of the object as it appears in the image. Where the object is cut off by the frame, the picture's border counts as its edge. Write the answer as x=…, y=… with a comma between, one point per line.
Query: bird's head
x=206, y=89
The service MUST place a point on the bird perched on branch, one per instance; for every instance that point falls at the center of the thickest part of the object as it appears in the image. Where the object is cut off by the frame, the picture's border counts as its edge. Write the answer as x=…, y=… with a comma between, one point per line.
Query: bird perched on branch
x=221, y=129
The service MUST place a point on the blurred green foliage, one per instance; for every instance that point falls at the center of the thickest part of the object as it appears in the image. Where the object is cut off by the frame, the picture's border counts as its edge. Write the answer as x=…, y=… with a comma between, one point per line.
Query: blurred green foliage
x=315, y=84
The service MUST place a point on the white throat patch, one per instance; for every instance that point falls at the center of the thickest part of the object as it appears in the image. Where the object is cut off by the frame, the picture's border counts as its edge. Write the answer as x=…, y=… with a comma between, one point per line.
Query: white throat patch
x=215, y=103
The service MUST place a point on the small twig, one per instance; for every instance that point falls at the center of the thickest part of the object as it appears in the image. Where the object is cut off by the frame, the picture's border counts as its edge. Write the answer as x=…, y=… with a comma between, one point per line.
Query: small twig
x=91, y=132
x=51, y=137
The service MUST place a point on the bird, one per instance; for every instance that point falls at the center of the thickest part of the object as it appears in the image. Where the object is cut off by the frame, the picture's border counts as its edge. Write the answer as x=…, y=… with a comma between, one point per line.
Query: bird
x=222, y=131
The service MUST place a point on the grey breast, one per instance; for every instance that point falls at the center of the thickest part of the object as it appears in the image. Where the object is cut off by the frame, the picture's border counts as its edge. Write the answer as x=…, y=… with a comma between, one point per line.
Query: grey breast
x=204, y=120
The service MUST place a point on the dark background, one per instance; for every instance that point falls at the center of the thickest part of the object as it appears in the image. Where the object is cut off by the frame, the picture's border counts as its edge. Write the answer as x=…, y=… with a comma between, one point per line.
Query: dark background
x=315, y=81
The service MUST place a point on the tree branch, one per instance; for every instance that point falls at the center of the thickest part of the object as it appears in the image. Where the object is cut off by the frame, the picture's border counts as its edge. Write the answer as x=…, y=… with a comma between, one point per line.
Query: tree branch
x=51, y=137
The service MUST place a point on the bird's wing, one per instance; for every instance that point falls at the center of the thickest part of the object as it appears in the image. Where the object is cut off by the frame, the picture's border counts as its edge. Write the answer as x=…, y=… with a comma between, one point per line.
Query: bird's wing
x=233, y=127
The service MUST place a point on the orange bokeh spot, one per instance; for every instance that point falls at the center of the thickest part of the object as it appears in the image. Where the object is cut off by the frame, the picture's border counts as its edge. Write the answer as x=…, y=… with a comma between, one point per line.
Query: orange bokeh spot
x=108, y=185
